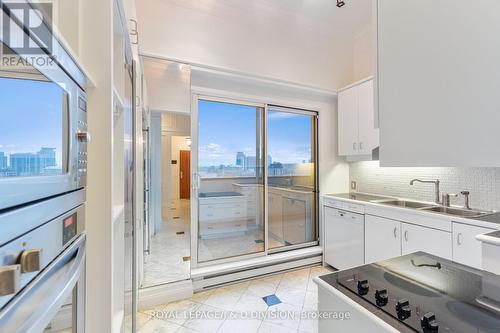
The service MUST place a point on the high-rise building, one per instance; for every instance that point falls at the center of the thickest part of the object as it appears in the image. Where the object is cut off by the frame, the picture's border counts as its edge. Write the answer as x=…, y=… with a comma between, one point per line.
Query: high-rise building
x=3, y=161
x=46, y=158
x=250, y=162
x=240, y=159
x=24, y=164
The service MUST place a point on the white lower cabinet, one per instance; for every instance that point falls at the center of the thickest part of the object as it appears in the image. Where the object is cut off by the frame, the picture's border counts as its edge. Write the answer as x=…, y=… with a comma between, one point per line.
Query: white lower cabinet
x=466, y=248
x=416, y=238
x=382, y=238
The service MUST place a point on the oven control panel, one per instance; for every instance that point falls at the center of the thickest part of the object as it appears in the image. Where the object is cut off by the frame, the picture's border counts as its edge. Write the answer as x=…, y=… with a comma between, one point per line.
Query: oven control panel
x=82, y=138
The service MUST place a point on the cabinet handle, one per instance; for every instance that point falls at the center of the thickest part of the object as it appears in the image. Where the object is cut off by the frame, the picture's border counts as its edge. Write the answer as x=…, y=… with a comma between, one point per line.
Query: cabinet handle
x=395, y=232
x=406, y=235
x=361, y=146
x=354, y=146
x=459, y=240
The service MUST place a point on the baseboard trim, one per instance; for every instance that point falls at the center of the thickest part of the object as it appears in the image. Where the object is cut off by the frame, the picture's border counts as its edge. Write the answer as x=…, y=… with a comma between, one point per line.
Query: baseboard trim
x=217, y=280
x=158, y=295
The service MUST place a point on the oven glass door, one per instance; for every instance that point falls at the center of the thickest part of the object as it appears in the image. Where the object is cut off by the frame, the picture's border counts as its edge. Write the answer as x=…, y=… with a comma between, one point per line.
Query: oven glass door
x=38, y=124
x=33, y=130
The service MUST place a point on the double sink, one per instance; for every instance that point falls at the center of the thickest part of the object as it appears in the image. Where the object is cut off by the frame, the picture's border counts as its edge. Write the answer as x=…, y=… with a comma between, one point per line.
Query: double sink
x=453, y=211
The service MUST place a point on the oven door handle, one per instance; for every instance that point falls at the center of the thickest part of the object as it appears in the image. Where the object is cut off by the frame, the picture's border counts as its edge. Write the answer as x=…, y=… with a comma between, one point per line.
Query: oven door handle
x=36, y=305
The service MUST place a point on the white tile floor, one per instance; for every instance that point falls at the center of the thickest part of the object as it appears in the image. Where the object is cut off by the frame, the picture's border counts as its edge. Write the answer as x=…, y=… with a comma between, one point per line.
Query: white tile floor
x=165, y=264
x=204, y=312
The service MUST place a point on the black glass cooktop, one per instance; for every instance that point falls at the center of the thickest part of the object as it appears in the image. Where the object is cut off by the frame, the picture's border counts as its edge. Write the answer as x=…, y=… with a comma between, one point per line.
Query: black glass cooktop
x=426, y=293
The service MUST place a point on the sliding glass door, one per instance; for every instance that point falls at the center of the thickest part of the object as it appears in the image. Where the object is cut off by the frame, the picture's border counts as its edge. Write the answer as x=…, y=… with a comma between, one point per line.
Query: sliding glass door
x=291, y=172
x=249, y=157
x=231, y=182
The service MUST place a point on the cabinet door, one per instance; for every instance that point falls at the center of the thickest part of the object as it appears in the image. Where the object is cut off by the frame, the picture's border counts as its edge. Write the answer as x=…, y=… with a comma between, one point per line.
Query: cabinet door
x=428, y=59
x=467, y=249
x=416, y=238
x=294, y=221
x=382, y=238
x=344, y=239
x=276, y=216
x=348, y=121
x=368, y=135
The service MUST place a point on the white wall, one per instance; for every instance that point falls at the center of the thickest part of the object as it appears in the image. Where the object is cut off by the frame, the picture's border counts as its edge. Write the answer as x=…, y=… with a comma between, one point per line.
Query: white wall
x=308, y=42
x=363, y=61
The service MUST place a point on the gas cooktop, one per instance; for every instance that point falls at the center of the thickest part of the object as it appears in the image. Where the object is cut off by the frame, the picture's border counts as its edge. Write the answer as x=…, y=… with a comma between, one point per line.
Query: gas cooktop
x=425, y=293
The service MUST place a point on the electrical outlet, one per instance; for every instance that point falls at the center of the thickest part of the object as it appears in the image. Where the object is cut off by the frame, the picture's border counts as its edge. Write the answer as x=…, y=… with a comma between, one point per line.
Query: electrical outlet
x=353, y=185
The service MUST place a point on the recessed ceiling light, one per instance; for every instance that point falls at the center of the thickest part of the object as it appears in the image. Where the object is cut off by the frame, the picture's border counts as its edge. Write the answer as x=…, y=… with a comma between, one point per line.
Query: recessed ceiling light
x=340, y=3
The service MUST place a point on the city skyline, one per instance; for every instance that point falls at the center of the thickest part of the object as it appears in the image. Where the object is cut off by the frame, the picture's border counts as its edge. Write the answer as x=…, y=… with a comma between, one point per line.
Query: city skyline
x=42, y=162
x=228, y=129
x=29, y=124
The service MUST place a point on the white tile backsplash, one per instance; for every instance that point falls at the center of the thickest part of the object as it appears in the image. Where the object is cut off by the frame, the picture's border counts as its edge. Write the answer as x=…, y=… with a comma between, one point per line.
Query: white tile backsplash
x=483, y=183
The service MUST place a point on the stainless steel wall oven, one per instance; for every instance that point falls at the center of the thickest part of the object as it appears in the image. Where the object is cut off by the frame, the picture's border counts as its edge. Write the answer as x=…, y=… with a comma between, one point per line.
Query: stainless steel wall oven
x=43, y=128
x=43, y=169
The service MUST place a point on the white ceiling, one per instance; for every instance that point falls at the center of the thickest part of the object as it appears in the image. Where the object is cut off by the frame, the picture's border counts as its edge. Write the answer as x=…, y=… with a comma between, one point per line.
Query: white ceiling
x=321, y=16
x=304, y=41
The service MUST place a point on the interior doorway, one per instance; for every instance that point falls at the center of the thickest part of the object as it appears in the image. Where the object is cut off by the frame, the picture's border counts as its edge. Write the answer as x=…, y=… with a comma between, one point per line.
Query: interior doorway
x=167, y=258
x=185, y=174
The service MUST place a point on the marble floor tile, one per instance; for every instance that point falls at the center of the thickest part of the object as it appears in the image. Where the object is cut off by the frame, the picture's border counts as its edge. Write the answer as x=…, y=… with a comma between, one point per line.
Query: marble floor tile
x=158, y=326
x=240, y=326
x=223, y=299
x=164, y=264
x=207, y=311
x=290, y=315
x=206, y=323
x=267, y=327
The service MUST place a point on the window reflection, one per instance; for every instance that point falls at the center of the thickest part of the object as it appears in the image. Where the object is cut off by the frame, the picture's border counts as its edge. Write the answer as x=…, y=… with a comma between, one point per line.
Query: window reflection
x=31, y=129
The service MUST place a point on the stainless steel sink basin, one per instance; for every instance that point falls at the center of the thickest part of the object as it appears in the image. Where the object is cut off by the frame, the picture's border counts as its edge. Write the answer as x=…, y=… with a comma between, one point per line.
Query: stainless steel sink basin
x=406, y=204
x=456, y=211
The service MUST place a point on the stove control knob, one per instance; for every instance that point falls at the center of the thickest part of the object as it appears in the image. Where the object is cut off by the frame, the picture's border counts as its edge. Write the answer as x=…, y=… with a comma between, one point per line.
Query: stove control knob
x=403, y=309
x=363, y=287
x=429, y=323
x=381, y=297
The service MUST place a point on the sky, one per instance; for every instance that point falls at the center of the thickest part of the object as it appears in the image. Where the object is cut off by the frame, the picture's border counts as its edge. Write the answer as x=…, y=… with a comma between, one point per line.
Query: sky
x=225, y=129
x=27, y=124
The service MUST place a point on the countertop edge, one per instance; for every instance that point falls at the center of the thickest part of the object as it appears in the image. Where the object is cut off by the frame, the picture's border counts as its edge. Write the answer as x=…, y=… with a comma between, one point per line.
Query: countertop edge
x=458, y=219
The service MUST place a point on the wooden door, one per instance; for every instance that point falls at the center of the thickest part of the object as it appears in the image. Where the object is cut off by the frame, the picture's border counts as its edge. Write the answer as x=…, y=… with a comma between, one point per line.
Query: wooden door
x=185, y=174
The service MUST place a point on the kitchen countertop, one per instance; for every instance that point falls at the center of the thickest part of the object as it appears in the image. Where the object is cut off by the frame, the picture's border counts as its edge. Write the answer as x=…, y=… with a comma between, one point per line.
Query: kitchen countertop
x=487, y=221
x=219, y=194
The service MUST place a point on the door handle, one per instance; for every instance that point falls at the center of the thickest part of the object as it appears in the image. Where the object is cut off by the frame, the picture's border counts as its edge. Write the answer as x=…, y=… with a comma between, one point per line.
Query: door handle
x=182, y=175
x=406, y=235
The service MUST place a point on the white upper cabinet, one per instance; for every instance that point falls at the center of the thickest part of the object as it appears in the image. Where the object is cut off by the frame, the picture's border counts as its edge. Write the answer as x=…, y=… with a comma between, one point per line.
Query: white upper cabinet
x=348, y=121
x=438, y=79
x=357, y=133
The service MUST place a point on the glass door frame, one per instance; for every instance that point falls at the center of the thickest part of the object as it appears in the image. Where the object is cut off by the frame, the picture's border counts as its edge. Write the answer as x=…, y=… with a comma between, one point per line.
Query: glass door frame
x=196, y=180
x=315, y=158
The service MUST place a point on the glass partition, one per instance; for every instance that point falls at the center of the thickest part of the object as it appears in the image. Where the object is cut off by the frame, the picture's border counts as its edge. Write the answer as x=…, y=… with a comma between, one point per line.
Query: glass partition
x=291, y=170
x=231, y=193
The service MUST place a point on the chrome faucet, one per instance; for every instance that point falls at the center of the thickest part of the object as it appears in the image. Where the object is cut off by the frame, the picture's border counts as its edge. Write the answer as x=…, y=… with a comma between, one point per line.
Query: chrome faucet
x=466, y=198
x=446, y=198
x=436, y=184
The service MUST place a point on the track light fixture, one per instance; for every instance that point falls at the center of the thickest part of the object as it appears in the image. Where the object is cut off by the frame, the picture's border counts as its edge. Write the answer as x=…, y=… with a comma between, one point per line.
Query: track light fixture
x=340, y=3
